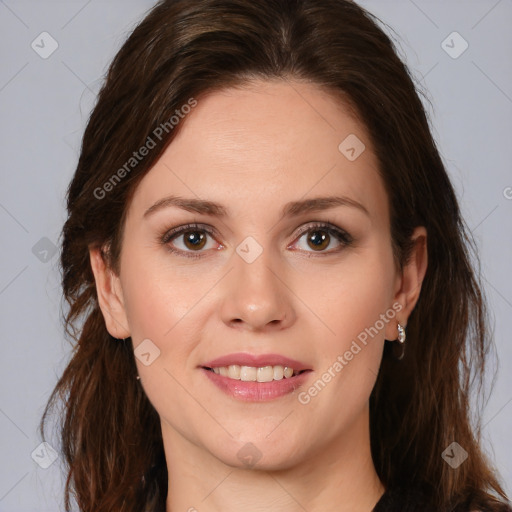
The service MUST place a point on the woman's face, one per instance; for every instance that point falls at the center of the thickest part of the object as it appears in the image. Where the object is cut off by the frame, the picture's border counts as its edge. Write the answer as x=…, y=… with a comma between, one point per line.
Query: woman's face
x=271, y=278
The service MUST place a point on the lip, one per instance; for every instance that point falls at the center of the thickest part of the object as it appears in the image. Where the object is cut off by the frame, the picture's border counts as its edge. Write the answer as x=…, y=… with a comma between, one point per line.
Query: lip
x=244, y=359
x=256, y=391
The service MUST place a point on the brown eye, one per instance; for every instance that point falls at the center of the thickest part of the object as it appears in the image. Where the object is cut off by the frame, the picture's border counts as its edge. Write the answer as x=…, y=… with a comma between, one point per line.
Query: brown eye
x=194, y=239
x=189, y=240
x=319, y=239
x=321, y=236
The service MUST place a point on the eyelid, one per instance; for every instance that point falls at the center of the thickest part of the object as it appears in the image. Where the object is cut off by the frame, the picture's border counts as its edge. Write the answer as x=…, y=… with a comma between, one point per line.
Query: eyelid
x=328, y=226
x=343, y=237
x=169, y=233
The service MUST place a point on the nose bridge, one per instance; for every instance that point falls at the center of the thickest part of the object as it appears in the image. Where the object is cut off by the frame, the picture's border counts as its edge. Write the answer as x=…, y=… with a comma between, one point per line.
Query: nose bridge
x=256, y=293
x=256, y=268
x=258, y=261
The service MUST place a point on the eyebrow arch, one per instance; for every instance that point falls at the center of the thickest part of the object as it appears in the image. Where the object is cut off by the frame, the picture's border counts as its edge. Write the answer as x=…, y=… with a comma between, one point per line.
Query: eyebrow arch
x=290, y=209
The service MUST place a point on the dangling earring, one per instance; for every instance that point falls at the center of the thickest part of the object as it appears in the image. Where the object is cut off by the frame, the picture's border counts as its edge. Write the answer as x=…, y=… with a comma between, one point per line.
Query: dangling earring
x=401, y=341
x=401, y=334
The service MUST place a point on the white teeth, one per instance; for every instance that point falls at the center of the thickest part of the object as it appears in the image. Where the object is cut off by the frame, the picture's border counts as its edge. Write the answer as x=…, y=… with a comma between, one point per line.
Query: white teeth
x=248, y=373
x=265, y=374
x=234, y=372
x=253, y=374
x=287, y=372
x=278, y=372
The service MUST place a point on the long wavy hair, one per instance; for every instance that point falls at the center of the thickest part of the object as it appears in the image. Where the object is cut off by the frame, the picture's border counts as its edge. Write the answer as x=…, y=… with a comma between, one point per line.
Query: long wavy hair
x=109, y=433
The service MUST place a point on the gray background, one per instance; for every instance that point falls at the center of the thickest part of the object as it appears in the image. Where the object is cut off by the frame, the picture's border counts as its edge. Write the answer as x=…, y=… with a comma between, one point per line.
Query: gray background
x=45, y=103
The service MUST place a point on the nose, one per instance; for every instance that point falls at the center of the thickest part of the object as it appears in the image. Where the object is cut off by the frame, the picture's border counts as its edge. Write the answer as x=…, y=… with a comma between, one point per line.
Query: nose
x=257, y=296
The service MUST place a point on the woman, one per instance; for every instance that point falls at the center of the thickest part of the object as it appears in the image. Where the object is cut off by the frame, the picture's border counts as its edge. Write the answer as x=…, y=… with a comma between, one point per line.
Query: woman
x=279, y=310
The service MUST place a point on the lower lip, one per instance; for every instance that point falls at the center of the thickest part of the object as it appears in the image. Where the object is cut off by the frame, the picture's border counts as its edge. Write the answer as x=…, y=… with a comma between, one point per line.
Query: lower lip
x=256, y=391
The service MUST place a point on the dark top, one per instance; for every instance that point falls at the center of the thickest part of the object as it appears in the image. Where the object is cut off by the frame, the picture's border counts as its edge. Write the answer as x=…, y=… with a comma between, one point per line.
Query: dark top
x=396, y=500
x=402, y=500
x=407, y=500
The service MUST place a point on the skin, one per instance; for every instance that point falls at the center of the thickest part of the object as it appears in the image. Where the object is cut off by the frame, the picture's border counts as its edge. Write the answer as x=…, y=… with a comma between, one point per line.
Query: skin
x=253, y=149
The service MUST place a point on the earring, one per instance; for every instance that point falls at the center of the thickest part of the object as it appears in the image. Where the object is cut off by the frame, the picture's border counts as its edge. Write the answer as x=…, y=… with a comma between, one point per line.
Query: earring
x=401, y=334
x=138, y=377
x=399, y=348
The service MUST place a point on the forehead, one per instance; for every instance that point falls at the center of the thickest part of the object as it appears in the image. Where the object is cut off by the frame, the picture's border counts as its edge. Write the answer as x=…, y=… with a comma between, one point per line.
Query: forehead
x=256, y=147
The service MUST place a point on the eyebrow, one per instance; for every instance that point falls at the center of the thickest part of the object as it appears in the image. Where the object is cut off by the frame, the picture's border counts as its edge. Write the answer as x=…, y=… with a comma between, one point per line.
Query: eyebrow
x=290, y=209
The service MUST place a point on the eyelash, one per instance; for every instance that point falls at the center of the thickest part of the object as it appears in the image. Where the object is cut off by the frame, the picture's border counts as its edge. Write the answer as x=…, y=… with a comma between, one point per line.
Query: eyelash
x=342, y=236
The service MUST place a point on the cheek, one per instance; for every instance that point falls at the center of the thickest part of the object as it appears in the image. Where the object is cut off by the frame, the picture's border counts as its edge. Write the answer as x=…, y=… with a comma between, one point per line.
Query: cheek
x=178, y=309
x=161, y=308
x=346, y=297
x=353, y=307
x=156, y=296
x=356, y=306
x=351, y=298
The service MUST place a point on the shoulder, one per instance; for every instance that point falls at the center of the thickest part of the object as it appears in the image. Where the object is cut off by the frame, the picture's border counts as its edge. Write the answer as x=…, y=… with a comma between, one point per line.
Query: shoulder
x=415, y=500
x=404, y=500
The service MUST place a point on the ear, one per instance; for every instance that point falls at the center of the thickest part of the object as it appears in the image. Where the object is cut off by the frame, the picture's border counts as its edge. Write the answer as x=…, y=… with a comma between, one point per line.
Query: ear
x=409, y=281
x=110, y=296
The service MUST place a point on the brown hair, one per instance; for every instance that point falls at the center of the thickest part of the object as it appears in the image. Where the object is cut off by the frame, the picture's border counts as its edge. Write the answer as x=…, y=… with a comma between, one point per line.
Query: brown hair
x=110, y=433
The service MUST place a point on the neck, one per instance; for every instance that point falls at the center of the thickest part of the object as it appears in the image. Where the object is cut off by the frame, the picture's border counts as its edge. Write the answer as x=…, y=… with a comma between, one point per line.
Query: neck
x=339, y=477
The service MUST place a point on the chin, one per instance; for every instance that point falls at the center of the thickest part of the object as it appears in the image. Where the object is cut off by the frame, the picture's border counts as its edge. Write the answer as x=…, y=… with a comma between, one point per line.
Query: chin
x=259, y=453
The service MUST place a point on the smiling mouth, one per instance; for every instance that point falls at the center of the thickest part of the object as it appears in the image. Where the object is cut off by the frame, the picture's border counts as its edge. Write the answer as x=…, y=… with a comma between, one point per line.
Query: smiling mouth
x=255, y=374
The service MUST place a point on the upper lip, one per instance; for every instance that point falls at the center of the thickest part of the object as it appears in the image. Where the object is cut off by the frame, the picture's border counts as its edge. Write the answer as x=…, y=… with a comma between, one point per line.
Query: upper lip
x=260, y=360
